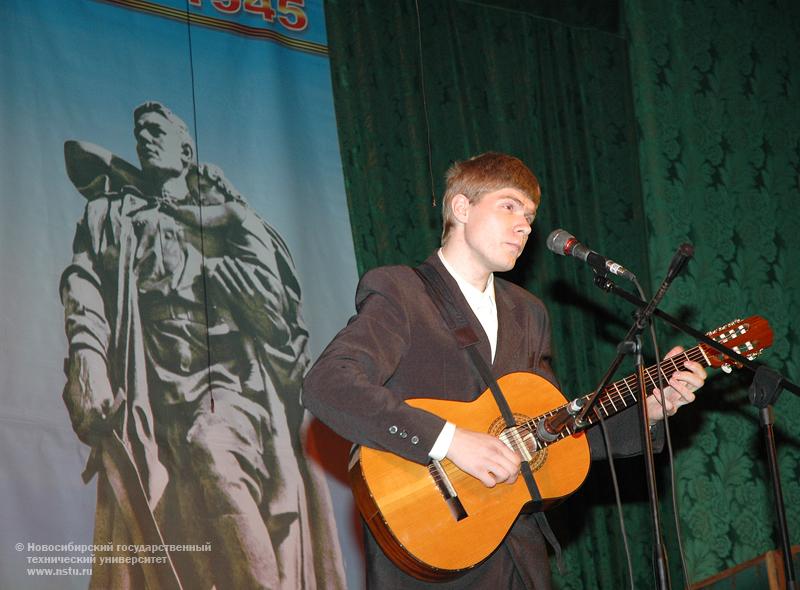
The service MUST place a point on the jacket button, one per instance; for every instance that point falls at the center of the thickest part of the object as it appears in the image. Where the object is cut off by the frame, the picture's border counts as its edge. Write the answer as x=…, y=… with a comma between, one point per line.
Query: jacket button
x=393, y=429
x=403, y=434
x=414, y=439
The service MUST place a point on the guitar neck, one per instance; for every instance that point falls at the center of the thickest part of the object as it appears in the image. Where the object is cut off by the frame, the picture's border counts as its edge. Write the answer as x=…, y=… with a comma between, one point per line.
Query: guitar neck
x=749, y=337
x=623, y=393
x=617, y=396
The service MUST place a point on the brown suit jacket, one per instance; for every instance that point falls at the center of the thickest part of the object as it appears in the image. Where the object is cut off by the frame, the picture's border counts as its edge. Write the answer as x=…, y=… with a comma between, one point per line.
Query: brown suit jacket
x=397, y=347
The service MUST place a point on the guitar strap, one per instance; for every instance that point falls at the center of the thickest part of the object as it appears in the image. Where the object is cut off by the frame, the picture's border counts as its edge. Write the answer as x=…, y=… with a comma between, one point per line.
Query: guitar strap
x=466, y=338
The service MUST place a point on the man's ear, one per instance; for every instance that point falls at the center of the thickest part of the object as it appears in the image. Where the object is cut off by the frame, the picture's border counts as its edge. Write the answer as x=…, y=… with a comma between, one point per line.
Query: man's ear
x=460, y=207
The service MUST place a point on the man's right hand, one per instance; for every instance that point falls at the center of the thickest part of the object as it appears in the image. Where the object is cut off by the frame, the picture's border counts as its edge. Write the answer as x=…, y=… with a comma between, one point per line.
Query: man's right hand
x=88, y=394
x=484, y=456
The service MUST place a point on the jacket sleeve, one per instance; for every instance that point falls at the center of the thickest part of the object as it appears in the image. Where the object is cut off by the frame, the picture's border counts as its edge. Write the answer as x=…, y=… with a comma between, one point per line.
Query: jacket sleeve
x=625, y=435
x=346, y=387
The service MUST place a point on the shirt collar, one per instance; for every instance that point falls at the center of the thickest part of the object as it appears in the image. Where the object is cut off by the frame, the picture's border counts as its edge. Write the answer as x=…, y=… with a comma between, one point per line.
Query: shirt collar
x=474, y=296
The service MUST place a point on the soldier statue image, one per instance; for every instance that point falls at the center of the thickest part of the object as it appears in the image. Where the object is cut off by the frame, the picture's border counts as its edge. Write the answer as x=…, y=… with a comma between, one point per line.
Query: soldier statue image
x=187, y=350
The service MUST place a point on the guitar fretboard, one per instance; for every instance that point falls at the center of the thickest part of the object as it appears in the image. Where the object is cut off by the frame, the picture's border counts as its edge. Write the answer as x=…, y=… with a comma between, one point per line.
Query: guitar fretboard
x=615, y=397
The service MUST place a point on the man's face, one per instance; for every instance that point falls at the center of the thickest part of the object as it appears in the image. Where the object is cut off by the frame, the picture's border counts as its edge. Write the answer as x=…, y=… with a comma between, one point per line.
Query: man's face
x=497, y=228
x=158, y=145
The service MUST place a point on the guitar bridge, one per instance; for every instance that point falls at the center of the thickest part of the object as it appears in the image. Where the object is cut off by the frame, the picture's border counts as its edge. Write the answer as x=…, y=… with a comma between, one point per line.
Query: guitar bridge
x=447, y=490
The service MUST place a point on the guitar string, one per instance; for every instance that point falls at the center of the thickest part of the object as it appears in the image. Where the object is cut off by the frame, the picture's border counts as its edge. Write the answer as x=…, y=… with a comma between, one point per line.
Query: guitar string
x=622, y=398
x=692, y=354
x=625, y=398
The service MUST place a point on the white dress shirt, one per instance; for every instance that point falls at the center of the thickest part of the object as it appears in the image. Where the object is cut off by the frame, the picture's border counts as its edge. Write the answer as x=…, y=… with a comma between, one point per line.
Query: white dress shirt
x=484, y=307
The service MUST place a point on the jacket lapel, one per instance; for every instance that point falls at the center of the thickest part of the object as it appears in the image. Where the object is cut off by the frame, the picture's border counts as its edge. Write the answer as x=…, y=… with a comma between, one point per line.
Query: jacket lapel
x=483, y=341
x=510, y=332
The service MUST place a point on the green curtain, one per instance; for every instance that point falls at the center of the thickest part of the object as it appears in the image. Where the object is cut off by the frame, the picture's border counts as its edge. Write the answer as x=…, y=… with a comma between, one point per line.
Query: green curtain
x=489, y=86
x=717, y=94
x=562, y=98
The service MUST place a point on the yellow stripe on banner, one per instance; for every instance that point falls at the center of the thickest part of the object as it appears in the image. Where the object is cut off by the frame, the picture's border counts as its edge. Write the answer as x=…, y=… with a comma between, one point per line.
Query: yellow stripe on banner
x=221, y=25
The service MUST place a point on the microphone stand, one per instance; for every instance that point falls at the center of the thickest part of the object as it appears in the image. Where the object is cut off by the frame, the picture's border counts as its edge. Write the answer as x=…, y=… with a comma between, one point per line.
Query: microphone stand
x=550, y=428
x=632, y=343
x=764, y=391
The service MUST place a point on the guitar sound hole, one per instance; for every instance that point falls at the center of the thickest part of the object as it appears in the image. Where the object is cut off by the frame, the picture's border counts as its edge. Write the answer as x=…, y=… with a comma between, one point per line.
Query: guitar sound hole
x=537, y=458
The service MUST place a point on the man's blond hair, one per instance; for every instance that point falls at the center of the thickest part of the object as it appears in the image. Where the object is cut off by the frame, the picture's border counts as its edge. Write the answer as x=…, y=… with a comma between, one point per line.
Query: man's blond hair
x=483, y=174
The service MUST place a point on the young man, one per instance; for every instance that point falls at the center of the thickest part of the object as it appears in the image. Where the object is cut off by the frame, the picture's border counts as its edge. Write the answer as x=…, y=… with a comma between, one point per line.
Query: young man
x=398, y=347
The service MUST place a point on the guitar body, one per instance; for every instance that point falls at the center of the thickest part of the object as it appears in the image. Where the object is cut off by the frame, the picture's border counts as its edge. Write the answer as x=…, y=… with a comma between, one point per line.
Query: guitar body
x=407, y=512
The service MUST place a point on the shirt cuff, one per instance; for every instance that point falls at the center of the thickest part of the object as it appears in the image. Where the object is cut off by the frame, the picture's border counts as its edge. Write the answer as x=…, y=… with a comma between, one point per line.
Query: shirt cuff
x=442, y=444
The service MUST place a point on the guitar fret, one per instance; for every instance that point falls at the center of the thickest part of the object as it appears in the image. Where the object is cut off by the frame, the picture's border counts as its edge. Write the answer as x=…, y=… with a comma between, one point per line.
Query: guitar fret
x=705, y=357
x=619, y=393
x=622, y=399
x=664, y=375
x=615, y=396
x=652, y=378
x=615, y=400
x=623, y=392
x=633, y=395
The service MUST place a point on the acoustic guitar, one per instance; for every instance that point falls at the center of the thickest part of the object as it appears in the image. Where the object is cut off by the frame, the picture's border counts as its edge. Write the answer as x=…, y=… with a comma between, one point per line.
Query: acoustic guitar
x=435, y=521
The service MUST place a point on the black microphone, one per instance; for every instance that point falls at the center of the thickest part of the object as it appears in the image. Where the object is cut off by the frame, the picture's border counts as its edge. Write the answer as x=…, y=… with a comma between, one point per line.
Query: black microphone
x=564, y=243
x=682, y=256
x=684, y=253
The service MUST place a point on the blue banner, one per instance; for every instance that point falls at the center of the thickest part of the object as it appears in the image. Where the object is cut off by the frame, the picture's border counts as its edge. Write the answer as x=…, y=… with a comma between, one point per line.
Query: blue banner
x=175, y=249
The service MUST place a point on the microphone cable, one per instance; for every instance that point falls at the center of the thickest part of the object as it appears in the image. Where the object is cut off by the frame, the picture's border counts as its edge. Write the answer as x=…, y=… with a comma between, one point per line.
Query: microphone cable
x=617, y=498
x=195, y=193
x=671, y=463
x=424, y=96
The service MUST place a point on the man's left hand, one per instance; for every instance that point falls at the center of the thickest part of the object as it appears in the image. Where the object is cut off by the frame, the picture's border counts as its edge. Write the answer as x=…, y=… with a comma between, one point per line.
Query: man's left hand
x=681, y=391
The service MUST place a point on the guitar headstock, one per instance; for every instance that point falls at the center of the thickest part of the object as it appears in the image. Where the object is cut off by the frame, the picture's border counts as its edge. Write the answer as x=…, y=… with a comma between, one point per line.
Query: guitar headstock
x=748, y=337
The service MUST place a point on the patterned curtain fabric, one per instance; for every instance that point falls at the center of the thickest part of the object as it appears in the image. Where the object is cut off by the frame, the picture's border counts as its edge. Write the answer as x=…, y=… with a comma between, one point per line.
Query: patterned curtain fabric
x=717, y=94
x=561, y=97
